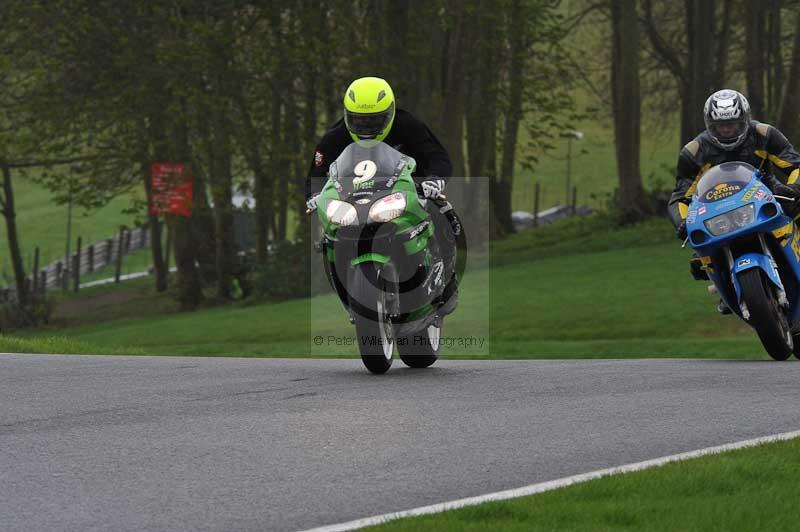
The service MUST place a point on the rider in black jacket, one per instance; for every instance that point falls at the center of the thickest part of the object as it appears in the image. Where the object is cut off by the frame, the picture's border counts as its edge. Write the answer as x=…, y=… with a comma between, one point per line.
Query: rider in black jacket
x=408, y=135
x=370, y=115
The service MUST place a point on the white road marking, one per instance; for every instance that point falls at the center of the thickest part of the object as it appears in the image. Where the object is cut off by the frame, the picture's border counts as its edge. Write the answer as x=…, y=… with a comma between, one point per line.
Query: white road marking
x=553, y=484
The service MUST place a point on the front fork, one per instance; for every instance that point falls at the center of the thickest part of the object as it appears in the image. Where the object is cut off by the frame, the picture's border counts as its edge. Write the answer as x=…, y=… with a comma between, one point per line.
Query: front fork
x=765, y=262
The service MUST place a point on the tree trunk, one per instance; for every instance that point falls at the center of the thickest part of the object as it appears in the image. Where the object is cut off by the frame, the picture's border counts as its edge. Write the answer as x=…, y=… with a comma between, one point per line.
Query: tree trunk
x=789, y=114
x=406, y=88
x=10, y=216
x=452, y=118
x=188, y=242
x=688, y=120
x=190, y=293
x=249, y=141
x=754, y=60
x=626, y=100
x=723, y=43
x=310, y=122
x=159, y=264
x=774, y=57
x=221, y=190
x=700, y=23
x=516, y=76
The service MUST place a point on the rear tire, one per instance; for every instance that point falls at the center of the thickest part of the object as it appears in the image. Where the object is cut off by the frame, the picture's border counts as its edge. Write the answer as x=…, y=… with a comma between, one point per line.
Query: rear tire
x=766, y=316
x=422, y=349
x=373, y=329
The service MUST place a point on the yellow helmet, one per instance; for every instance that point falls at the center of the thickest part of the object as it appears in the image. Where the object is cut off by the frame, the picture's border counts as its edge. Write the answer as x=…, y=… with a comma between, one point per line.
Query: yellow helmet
x=369, y=109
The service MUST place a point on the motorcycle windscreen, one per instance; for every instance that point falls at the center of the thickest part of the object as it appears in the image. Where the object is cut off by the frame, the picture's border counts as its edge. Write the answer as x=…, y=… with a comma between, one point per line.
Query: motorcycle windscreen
x=364, y=167
x=723, y=181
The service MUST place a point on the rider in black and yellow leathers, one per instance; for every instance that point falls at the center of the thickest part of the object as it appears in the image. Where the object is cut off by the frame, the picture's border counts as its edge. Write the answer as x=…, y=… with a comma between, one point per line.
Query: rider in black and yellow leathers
x=731, y=135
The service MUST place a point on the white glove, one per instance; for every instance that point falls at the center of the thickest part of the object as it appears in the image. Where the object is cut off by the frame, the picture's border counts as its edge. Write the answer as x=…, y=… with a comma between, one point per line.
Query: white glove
x=311, y=203
x=432, y=189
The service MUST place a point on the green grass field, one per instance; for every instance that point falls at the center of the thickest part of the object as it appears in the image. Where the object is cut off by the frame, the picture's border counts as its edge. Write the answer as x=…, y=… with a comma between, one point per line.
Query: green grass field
x=42, y=222
x=593, y=167
x=580, y=289
x=749, y=489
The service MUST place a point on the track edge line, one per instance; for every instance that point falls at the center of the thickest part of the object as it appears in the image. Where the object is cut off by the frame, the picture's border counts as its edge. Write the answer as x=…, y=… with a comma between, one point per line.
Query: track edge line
x=549, y=485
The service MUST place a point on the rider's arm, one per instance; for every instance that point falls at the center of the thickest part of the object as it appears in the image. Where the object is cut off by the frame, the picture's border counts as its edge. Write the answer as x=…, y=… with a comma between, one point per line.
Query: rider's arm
x=328, y=149
x=781, y=152
x=432, y=159
x=687, y=172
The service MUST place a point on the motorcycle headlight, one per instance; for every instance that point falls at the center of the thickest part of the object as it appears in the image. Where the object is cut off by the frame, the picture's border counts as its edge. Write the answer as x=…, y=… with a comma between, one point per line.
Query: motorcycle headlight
x=341, y=213
x=388, y=208
x=731, y=220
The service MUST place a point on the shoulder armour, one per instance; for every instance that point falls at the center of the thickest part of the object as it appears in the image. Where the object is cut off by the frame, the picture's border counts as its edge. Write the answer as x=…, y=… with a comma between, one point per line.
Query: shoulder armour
x=692, y=147
x=763, y=129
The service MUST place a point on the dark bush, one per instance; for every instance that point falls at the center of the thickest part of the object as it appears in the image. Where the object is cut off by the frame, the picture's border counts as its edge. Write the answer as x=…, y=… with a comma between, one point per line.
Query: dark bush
x=285, y=274
x=36, y=312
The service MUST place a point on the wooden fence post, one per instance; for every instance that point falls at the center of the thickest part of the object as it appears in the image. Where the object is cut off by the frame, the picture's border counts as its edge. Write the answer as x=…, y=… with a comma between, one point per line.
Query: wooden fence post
x=536, y=192
x=118, y=270
x=574, y=205
x=91, y=258
x=43, y=282
x=77, y=266
x=109, y=251
x=35, y=269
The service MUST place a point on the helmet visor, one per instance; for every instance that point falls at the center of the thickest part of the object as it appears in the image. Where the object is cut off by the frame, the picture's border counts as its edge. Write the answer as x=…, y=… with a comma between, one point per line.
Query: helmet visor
x=727, y=131
x=368, y=125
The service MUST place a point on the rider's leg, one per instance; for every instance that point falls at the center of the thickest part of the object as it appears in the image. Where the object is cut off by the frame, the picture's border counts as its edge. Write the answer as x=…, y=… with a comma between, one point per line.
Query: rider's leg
x=446, y=226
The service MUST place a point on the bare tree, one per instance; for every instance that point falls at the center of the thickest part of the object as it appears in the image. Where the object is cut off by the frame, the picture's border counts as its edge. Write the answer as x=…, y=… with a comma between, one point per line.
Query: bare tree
x=626, y=100
x=789, y=112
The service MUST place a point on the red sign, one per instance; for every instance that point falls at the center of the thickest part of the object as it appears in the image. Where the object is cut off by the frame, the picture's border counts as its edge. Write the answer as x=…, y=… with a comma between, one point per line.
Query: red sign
x=171, y=190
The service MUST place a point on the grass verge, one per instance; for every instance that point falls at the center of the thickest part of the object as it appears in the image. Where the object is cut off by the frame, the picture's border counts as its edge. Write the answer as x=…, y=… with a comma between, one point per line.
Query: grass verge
x=59, y=344
x=748, y=489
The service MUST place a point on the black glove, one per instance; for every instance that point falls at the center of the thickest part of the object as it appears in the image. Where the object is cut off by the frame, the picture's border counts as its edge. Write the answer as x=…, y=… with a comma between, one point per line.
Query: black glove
x=779, y=188
x=681, y=232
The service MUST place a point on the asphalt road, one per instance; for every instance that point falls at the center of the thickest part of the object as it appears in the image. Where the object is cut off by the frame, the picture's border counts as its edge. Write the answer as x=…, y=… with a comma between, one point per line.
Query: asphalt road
x=148, y=443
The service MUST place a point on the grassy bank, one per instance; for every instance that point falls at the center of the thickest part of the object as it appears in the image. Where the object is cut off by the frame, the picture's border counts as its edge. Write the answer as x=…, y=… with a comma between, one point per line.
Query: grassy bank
x=748, y=489
x=43, y=222
x=580, y=289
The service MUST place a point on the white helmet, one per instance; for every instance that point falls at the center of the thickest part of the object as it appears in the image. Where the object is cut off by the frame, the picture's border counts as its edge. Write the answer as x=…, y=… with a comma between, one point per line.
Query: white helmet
x=727, y=118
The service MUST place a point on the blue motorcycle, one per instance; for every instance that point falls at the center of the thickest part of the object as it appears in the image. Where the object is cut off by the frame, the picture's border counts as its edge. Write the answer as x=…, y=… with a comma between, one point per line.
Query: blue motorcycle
x=750, y=250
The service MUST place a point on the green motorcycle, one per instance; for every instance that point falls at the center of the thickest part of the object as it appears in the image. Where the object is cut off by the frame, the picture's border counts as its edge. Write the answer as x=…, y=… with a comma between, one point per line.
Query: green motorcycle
x=381, y=257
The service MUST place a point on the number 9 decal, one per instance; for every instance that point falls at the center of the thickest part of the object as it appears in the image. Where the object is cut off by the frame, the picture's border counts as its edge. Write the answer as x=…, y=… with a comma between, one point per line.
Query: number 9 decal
x=365, y=170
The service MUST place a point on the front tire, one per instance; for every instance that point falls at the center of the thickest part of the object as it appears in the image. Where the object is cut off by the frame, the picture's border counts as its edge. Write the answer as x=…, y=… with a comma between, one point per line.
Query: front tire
x=420, y=350
x=766, y=316
x=373, y=329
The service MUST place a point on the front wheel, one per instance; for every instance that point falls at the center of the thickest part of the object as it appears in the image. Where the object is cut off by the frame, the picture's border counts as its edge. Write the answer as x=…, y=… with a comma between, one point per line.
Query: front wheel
x=373, y=330
x=420, y=350
x=766, y=316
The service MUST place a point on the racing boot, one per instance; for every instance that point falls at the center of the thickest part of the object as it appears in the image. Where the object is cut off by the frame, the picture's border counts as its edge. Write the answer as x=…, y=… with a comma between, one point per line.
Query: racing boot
x=696, y=268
